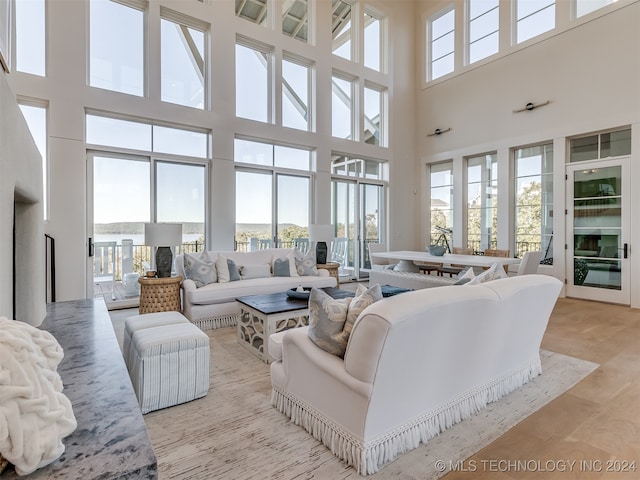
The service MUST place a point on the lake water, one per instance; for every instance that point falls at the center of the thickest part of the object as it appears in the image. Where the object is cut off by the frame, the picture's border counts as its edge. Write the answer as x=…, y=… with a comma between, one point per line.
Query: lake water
x=138, y=239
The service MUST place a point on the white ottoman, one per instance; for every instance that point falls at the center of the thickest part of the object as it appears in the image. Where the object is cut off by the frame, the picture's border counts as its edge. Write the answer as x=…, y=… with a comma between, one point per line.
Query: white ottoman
x=146, y=320
x=169, y=365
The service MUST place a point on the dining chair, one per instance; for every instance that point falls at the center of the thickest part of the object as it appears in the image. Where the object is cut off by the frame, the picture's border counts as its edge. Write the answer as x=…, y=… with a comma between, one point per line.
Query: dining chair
x=529, y=263
x=495, y=253
x=455, y=269
x=379, y=263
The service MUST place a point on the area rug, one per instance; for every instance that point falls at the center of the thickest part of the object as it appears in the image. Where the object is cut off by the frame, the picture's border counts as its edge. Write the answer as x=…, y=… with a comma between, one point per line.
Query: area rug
x=235, y=433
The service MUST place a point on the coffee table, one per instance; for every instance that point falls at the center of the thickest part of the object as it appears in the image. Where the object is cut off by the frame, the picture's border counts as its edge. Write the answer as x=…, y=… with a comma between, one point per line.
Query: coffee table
x=264, y=315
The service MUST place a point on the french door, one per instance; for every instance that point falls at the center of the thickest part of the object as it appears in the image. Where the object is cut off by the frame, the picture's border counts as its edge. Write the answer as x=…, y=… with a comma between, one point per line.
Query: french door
x=356, y=213
x=598, y=231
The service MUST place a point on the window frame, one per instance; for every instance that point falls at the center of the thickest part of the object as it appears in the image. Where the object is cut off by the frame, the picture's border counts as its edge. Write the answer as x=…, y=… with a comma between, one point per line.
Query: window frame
x=268, y=51
x=469, y=42
x=429, y=41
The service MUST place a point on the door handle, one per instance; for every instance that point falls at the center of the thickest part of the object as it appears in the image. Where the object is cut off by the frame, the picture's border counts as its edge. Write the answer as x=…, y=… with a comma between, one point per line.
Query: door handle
x=90, y=247
x=625, y=250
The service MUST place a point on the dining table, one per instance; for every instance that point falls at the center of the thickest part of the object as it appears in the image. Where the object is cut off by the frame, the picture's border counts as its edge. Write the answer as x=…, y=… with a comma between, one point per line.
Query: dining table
x=406, y=259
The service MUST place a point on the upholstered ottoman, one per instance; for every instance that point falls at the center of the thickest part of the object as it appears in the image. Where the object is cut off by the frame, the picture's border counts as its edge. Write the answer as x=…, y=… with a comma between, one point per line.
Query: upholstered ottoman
x=169, y=365
x=146, y=320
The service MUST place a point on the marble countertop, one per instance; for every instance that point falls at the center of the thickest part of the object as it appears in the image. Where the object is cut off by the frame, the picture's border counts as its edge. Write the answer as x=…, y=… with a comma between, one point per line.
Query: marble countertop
x=111, y=440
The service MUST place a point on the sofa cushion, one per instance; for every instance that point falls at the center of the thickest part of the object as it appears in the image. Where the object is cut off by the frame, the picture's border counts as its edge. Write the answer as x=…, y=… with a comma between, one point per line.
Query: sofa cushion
x=281, y=267
x=247, y=272
x=494, y=272
x=327, y=317
x=200, y=268
x=306, y=262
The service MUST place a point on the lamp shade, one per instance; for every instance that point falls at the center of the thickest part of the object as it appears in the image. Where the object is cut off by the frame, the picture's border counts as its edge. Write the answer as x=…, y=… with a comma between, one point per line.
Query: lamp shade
x=162, y=234
x=321, y=232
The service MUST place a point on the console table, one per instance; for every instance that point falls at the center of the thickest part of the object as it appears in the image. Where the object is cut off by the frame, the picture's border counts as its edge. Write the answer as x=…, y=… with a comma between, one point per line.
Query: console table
x=111, y=439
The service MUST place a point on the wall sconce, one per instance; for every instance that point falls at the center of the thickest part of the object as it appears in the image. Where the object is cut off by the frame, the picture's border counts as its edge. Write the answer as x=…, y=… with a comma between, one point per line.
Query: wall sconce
x=530, y=106
x=438, y=131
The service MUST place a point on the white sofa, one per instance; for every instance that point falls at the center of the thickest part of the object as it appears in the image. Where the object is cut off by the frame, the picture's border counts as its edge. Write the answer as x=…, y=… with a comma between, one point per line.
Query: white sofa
x=214, y=305
x=415, y=364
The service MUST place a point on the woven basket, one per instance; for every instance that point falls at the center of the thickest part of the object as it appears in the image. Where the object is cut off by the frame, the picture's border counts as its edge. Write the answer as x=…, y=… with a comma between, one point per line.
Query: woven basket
x=160, y=294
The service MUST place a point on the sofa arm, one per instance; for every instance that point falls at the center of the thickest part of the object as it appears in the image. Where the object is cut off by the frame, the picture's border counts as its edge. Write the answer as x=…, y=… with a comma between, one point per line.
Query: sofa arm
x=188, y=286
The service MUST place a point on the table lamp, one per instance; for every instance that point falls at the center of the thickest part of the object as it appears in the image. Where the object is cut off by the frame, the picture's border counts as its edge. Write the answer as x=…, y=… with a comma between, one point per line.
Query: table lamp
x=322, y=235
x=163, y=236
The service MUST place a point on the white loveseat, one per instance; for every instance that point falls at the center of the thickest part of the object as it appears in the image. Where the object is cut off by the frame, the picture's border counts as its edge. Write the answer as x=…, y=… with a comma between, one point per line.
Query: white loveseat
x=214, y=305
x=415, y=364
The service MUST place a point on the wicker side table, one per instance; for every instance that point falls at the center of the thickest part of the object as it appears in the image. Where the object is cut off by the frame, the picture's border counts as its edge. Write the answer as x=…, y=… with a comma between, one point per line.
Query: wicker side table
x=160, y=294
x=332, y=268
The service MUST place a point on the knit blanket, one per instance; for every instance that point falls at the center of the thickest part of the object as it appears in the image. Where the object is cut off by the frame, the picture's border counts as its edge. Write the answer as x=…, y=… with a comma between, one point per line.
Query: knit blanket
x=34, y=413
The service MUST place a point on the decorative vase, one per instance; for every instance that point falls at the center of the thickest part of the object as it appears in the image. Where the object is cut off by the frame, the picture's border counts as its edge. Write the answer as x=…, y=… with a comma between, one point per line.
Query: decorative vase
x=321, y=252
x=164, y=259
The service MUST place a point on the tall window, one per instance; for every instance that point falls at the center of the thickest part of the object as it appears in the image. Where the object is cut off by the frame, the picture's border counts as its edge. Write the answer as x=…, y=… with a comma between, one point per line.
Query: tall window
x=36, y=118
x=441, y=199
x=533, y=168
x=373, y=116
x=30, y=36
x=253, y=84
x=441, y=43
x=296, y=94
x=603, y=145
x=295, y=19
x=183, y=62
x=272, y=200
x=482, y=202
x=372, y=42
x=342, y=29
x=341, y=107
x=484, y=24
x=534, y=17
x=584, y=7
x=116, y=55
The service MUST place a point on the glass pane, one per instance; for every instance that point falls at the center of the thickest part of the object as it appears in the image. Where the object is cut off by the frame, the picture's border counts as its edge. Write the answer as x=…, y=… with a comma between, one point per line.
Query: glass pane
x=531, y=7
x=591, y=249
x=442, y=67
x=615, y=144
x=343, y=215
x=371, y=42
x=252, y=84
x=253, y=152
x=253, y=210
x=597, y=182
x=116, y=47
x=371, y=210
x=118, y=133
x=180, y=198
x=372, y=169
x=537, y=23
x=587, y=6
x=585, y=148
x=36, y=118
x=442, y=25
x=295, y=158
x=179, y=142
x=121, y=199
x=372, y=116
x=442, y=46
x=254, y=10
x=479, y=7
x=293, y=209
x=295, y=95
x=341, y=29
x=30, y=36
x=484, y=25
x=183, y=64
x=483, y=48
x=482, y=221
x=295, y=19
x=341, y=120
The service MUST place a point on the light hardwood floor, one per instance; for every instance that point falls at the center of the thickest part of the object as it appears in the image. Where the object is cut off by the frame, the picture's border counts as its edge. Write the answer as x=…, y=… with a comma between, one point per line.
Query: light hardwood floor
x=596, y=424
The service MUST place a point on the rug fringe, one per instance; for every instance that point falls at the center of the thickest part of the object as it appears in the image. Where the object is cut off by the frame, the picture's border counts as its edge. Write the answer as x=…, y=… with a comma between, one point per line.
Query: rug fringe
x=218, y=321
x=368, y=458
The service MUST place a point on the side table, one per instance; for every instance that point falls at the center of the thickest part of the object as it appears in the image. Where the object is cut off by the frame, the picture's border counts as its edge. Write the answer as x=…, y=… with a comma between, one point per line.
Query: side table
x=332, y=268
x=160, y=294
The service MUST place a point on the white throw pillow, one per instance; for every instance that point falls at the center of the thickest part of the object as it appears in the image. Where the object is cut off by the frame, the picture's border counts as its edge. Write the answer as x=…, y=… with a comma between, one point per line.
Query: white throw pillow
x=255, y=271
x=494, y=272
x=466, y=277
x=222, y=269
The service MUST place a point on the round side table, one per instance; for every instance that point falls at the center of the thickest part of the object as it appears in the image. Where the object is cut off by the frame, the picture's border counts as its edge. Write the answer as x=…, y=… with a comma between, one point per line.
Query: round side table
x=332, y=268
x=160, y=294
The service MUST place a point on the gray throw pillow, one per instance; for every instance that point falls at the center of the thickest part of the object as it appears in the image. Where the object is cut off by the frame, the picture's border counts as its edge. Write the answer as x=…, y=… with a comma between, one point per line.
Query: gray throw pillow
x=200, y=269
x=234, y=275
x=326, y=321
x=306, y=263
x=364, y=297
x=281, y=267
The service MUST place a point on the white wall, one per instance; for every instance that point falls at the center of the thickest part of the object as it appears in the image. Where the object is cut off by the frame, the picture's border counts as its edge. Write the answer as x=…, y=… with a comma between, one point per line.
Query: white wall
x=68, y=95
x=589, y=71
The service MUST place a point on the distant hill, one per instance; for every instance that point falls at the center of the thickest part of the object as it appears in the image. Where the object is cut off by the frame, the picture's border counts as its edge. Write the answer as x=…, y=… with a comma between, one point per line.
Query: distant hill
x=138, y=228
x=260, y=227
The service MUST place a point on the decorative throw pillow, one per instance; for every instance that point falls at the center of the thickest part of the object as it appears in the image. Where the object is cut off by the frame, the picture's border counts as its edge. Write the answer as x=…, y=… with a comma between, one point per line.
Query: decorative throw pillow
x=234, y=275
x=222, y=268
x=466, y=277
x=255, y=271
x=364, y=297
x=306, y=263
x=281, y=267
x=494, y=272
x=292, y=264
x=200, y=269
x=326, y=321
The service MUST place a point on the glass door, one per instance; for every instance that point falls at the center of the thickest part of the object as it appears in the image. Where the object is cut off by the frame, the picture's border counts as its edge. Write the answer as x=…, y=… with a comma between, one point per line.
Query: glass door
x=371, y=208
x=344, y=220
x=597, y=227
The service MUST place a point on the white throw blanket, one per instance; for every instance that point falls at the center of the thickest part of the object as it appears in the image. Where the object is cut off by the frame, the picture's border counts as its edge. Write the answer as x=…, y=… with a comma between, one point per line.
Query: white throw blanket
x=34, y=413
